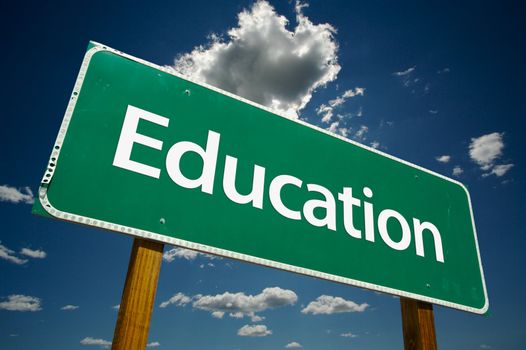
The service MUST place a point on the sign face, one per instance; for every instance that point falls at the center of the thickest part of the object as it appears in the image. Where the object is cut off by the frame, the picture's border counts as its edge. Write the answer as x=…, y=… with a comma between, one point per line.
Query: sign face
x=146, y=152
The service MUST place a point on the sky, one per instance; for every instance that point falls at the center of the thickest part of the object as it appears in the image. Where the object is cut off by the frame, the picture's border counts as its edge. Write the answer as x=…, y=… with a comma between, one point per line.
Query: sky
x=439, y=85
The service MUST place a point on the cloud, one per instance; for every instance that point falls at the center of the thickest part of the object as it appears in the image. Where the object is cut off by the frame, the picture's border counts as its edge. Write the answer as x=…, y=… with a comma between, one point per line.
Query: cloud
x=116, y=307
x=153, y=344
x=335, y=128
x=178, y=299
x=258, y=330
x=263, y=61
x=9, y=255
x=96, y=341
x=326, y=304
x=293, y=345
x=36, y=254
x=14, y=195
x=327, y=111
x=500, y=170
x=348, y=335
x=433, y=111
x=182, y=253
x=69, y=307
x=443, y=71
x=443, y=159
x=484, y=150
x=457, y=171
x=18, y=302
x=375, y=144
x=360, y=134
x=239, y=305
x=405, y=72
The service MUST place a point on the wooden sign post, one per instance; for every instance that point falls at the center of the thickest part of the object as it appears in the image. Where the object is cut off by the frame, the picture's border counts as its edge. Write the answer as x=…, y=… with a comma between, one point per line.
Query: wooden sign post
x=418, y=325
x=133, y=322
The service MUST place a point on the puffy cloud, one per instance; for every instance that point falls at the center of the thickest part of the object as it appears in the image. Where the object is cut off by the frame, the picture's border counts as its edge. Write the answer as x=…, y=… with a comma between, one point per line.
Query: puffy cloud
x=484, y=150
x=36, y=254
x=263, y=61
x=178, y=299
x=375, y=144
x=293, y=345
x=348, y=335
x=326, y=304
x=69, y=307
x=258, y=330
x=9, y=255
x=14, y=195
x=457, y=171
x=335, y=128
x=239, y=305
x=153, y=344
x=18, y=302
x=360, y=134
x=443, y=159
x=96, y=341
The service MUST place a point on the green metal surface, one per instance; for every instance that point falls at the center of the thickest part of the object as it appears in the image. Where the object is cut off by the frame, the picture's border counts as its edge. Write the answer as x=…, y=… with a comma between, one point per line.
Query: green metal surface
x=86, y=183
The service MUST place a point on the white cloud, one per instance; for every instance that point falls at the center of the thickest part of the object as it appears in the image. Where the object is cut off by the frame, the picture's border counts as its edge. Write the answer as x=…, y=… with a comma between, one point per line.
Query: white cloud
x=69, y=307
x=239, y=305
x=335, y=128
x=36, y=254
x=265, y=62
x=443, y=159
x=18, y=302
x=326, y=304
x=348, y=335
x=375, y=144
x=258, y=330
x=360, y=134
x=116, y=307
x=293, y=345
x=327, y=111
x=501, y=169
x=9, y=255
x=457, y=171
x=178, y=299
x=14, y=195
x=443, y=71
x=484, y=150
x=182, y=253
x=153, y=344
x=433, y=111
x=96, y=341
x=405, y=72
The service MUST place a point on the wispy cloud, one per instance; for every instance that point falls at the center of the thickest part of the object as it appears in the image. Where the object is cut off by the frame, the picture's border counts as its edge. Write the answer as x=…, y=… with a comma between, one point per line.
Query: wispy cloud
x=35, y=254
x=326, y=304
x=443, y=159
x=327, y=110
x=105, y=344
x=153, y=344
x=293, y=345
x=406, y=72
x=69, y=307
x=16, y=195
x=186, y=254
x=264, y=61
x=9, y=255
x=18, y=302
x=258, y=330
x=443, y=70
x=178, y=299
x=348, y=335
x=486, y=150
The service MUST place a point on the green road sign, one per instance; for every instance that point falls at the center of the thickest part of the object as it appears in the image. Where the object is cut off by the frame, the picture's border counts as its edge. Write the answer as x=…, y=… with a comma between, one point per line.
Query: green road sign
x=146, y=152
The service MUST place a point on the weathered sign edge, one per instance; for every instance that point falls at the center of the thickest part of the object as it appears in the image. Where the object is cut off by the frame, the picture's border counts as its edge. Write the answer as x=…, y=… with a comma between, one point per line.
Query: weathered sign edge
x=56, y=213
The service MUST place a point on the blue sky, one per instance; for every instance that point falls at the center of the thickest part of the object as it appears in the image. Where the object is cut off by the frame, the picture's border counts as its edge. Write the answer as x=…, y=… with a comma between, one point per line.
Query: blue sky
x=438, y=85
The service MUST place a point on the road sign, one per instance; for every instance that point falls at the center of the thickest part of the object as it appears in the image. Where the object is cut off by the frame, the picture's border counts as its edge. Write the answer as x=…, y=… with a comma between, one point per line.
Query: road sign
x=149, y=153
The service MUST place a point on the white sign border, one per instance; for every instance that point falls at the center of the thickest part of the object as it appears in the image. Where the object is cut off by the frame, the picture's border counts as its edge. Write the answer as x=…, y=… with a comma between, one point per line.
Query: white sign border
x=48, y=175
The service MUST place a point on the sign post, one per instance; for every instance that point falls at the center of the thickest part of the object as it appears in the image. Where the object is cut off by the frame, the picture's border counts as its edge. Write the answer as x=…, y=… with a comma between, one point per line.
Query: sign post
x=133, y=322
x=418, y=325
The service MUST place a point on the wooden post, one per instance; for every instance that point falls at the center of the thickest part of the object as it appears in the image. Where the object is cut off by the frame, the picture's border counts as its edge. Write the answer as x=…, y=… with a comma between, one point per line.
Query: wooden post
x=418, y=324
x=133, y=322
